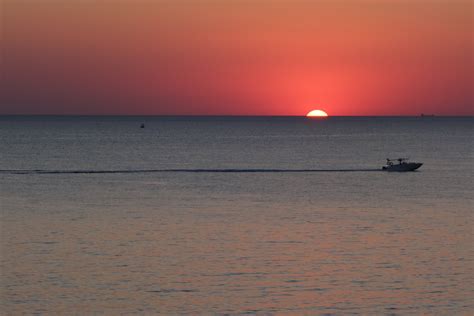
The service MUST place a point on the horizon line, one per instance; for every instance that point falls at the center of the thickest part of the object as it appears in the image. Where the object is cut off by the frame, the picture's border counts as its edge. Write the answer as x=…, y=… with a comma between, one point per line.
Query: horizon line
x=233, y=115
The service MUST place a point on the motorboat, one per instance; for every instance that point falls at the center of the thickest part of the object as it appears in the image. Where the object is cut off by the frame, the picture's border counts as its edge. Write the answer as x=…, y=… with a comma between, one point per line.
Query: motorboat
x=402, y=165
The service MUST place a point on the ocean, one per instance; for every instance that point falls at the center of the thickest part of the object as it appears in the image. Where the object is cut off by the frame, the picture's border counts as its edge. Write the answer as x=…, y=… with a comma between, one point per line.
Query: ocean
x=236, y=215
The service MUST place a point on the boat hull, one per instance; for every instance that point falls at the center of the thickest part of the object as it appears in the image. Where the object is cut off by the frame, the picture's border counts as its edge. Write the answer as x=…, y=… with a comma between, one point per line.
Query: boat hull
x=409, y=166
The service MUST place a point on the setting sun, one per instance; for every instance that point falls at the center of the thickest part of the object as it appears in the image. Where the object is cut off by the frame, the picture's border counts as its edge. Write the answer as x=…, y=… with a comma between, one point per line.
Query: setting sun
x=317, y=113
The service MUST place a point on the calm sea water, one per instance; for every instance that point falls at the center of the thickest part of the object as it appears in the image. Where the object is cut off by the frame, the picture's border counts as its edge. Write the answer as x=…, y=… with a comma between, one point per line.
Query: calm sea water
x=363, y=242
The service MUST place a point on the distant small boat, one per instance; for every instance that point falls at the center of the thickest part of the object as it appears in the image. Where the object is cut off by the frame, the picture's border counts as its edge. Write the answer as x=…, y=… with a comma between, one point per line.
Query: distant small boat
x=402, y=165
x=142, y=126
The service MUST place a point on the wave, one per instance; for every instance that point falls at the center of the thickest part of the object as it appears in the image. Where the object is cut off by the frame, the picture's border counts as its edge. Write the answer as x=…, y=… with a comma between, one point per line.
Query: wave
x=43, y=171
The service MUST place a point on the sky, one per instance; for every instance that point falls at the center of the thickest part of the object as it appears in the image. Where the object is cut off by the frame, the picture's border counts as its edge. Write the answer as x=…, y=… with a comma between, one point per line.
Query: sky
x=236, y=57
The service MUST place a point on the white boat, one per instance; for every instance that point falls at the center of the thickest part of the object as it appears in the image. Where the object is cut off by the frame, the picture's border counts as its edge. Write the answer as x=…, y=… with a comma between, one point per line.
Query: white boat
x=402, y=165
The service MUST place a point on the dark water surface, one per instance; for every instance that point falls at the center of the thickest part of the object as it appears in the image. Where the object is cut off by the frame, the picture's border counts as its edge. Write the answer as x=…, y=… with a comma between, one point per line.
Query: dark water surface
x=235, y=215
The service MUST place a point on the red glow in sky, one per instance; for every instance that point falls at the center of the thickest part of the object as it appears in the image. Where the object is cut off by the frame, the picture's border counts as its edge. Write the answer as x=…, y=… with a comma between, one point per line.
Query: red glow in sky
x=236, y=57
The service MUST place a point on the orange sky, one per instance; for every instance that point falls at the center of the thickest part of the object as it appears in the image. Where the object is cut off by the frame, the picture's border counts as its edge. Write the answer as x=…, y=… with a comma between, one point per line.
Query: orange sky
x=237, y=57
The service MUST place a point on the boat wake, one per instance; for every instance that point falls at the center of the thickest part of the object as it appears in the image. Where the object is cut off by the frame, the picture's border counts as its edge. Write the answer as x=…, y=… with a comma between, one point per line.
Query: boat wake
x=43, y=171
